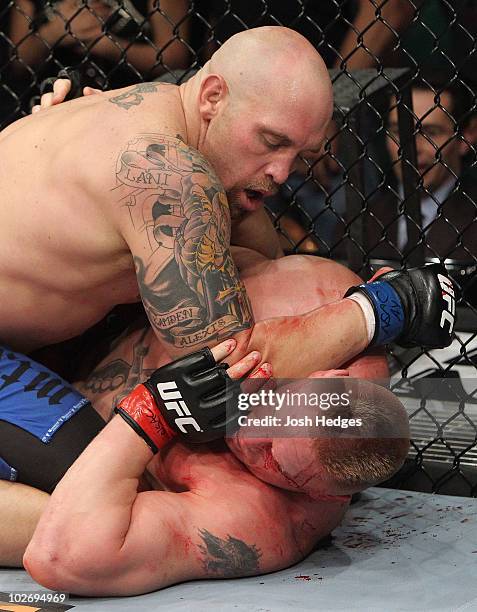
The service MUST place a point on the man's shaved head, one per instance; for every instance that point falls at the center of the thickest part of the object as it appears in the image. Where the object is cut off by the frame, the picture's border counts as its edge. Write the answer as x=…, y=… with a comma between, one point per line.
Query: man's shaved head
x=259, y=62
x=263, y=98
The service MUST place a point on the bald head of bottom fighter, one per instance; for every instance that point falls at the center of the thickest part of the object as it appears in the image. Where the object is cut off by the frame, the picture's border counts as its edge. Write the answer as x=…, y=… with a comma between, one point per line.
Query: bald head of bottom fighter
x=318, y=461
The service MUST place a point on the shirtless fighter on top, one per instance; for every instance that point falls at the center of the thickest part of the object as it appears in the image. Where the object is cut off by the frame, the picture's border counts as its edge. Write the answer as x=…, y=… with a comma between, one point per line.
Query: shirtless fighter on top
x=121, y=196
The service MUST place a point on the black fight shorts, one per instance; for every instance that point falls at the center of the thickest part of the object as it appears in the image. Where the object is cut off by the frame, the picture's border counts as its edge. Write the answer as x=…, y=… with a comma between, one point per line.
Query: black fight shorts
x=45, y=423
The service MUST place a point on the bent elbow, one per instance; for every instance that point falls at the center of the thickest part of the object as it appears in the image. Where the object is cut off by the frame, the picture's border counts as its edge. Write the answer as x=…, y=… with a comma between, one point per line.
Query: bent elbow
x=73, y=571
x=44, y=567
x=57, y=571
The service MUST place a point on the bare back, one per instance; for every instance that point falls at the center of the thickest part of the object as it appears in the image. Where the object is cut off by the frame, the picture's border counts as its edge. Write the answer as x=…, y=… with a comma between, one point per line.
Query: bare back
x=64, y=261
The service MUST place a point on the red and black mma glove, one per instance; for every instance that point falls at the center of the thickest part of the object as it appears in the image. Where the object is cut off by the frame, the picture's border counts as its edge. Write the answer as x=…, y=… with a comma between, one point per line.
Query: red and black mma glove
x=192, y=397
x=414, y=307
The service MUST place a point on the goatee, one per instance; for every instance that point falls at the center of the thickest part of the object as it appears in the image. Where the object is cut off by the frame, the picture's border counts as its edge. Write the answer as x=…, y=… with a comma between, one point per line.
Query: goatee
x=236, y=211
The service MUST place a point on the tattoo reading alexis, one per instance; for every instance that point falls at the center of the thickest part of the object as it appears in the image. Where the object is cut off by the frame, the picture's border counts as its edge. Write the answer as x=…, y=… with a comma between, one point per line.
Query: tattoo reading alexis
x=188, y=281
x=229, y=558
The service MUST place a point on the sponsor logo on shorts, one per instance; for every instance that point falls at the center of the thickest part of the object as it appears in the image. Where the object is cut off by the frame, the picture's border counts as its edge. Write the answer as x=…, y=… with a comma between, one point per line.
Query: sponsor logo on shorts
x=173, y=400
x=448, y=314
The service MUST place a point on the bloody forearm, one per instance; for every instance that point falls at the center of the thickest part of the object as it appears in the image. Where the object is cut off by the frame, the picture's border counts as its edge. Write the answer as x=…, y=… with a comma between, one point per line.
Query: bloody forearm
x=322, y=339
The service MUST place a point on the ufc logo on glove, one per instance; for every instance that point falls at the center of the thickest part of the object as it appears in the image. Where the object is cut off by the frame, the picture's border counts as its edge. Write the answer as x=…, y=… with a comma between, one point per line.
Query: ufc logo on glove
x=448, y=296
x=192, y=397
x=169, y=393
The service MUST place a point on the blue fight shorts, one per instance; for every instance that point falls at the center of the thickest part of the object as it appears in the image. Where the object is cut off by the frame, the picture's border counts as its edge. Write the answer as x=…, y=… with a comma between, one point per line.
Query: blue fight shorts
x=45, y=423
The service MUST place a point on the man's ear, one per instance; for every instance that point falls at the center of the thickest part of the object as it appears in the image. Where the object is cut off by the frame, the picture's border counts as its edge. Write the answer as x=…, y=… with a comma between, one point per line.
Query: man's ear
x=213, y=91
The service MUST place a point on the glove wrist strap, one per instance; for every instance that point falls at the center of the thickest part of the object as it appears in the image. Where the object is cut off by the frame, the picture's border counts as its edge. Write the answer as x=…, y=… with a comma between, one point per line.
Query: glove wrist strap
x=388, y=310
x=140, y=411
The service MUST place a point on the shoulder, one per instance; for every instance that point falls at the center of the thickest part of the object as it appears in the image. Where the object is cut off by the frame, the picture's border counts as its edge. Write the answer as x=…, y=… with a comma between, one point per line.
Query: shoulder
x=157, y=171
x=163, y=152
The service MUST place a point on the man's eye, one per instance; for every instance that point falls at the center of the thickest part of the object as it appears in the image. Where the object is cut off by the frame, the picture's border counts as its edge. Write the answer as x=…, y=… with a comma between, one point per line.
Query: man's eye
x=272, y=145
x=432, y=132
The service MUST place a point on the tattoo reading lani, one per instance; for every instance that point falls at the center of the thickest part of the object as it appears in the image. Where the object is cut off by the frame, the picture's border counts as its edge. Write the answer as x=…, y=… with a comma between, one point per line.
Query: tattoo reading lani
x=188, y=281
x=229, y=558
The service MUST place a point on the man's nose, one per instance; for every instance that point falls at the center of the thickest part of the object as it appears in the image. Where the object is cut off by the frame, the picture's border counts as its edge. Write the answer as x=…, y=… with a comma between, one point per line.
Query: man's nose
x=425, y=149
x=425, y=143
x=279, y=170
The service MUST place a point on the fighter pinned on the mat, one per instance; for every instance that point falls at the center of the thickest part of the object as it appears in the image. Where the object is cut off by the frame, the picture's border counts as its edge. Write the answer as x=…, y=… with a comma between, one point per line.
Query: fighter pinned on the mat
x=214, y=511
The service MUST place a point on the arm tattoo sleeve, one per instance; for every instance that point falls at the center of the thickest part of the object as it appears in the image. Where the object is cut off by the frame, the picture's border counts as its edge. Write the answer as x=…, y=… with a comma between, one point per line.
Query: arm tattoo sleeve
x=188, y=282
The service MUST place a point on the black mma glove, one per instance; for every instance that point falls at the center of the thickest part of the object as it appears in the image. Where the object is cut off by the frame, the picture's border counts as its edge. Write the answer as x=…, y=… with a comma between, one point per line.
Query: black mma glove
x=192, y=397
x=414, y=307
x=73, y=75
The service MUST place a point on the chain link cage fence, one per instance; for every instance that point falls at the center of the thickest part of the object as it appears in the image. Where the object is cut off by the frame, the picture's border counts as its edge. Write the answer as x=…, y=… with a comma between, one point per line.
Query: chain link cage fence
x=395, y=183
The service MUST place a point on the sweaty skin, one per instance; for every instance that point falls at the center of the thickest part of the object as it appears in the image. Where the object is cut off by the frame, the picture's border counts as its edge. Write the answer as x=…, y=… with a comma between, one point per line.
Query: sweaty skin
x=208, y=530
x=121, y=196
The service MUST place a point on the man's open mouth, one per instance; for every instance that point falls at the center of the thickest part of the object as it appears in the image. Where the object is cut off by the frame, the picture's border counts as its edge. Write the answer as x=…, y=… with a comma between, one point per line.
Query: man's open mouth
x=250, y=200
x=253, y=194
